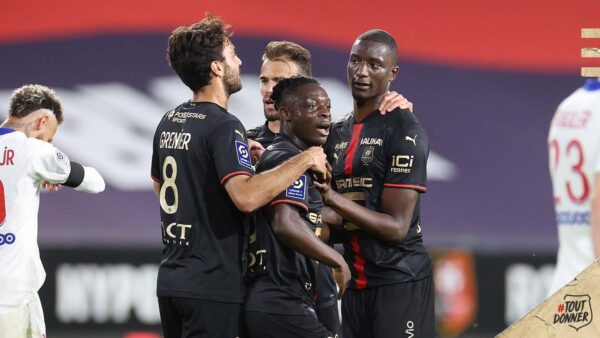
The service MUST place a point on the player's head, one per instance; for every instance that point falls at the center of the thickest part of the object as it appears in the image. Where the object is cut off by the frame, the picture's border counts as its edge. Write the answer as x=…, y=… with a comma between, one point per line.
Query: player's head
x=305, y=110
x=282, y=59
x=36, y=110
x=372, y=64
x=203, y=52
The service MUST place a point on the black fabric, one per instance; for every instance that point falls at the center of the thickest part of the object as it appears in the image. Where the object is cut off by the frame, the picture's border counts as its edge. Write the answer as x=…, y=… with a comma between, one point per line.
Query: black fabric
x=387, y=152
x=396, y=310
x=330, y=317
x=279, y=279
x=195, y=318
x=269, y=325
x=76, y=175
x=197, y=148
x=262, y=134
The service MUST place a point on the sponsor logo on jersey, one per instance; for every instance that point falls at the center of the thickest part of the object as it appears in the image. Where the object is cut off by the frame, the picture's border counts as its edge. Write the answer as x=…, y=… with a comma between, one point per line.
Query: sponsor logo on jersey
x=367, y=155
x=371, y=141
x=174, y=140
x=411, y=139
x=181, y=117
x=573, y=218
x=354, y=182
x=298, y=189
x=341, y=146
x=177, y=234
x=8, y=238
x=7, y=157
x=315, y=218
x=243, y=154
x=402, y=164
x=410, y=329
x=576, y=311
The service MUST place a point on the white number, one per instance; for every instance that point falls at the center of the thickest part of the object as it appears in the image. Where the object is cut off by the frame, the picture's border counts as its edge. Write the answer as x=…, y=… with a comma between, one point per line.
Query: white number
x=169, y=182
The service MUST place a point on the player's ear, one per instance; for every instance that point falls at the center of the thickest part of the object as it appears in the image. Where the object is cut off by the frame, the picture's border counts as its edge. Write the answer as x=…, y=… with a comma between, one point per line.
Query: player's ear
x=285, y=114
x=394, y=74
x=42, y=122
x=217, y=68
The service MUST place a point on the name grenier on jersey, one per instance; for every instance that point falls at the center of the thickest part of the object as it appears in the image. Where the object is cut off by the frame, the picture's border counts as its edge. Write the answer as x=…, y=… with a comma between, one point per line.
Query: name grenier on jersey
x=381, y=151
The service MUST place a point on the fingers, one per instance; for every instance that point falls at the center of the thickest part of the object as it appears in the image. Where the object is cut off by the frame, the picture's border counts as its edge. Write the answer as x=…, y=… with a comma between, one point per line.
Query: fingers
x=393, y=100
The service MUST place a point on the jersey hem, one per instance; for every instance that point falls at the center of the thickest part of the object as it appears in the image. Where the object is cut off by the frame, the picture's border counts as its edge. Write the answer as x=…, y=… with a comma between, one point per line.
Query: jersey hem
x=184, y=294
x=405, y=186
x=235, y=173
x=289, y=202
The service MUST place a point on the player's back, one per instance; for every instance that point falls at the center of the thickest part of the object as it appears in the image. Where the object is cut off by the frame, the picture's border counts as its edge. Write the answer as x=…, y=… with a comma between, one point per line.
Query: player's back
x=197, y=147
x=574, y=159
x=23, y=163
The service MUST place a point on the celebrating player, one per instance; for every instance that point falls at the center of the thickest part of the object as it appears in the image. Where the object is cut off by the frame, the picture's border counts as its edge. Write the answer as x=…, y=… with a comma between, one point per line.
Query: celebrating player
x=203, y=177
x=574, y=154
x=379, y=171
x=281, y=289
x=28, y=161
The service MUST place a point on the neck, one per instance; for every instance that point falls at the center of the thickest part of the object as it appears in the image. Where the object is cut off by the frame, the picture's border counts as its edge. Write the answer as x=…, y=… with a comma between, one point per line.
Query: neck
x=366, y=107
x=274, y=126
x=17, y=124
x=286, y=131
x=213, y=92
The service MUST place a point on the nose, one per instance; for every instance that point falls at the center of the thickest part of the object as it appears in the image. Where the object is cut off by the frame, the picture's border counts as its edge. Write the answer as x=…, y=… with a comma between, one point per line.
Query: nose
x=362, y=69
x=325, y=111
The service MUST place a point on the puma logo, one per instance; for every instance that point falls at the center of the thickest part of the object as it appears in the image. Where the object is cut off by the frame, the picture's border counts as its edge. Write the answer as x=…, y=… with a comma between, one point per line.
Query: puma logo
x=412, y=139
x=240, y=133
x=335, y=156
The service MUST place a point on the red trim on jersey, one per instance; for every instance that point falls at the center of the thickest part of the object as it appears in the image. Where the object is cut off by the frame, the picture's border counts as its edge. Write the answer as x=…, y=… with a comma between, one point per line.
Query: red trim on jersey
x=352, y=148
x=155, y=178
x=359, y=264
x=290, y=202
x=408, y=186
x=235, y=173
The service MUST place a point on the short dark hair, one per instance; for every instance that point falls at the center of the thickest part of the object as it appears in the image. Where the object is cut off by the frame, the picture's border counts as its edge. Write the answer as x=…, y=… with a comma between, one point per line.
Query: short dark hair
x=286, y=87
x=381, y=36
x=192, y=49
x=289, y=51
x=29, y=98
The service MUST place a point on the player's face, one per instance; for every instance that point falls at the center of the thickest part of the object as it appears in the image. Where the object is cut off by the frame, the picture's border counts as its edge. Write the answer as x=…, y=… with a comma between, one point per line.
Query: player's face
x=231, y=79
x=311, y=117
x=270, y=73
x=371, y=68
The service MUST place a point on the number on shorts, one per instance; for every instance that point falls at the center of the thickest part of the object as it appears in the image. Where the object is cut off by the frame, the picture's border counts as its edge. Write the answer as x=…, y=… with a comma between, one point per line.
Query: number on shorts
x=169, y=182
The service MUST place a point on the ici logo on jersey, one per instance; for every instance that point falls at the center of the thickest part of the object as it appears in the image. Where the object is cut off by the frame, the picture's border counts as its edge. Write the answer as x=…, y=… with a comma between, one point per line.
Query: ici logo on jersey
x=7, y=239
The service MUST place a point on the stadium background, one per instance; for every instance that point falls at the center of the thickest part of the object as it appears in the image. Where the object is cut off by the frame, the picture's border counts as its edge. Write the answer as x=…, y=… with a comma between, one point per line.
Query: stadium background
x=485, y=78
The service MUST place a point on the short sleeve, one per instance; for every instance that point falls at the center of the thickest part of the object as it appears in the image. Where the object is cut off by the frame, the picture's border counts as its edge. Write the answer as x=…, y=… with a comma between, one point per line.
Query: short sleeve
x=155, y=166
x=297, y=193
x=230, y=150
x=50, y=164
x=406, y=154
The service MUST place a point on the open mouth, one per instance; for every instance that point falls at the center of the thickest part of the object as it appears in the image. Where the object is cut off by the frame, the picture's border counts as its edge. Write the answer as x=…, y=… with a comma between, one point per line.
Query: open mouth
x=323, y=129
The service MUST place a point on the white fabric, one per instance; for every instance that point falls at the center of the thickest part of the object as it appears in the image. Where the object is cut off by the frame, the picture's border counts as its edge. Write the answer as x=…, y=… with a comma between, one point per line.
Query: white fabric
x=574, y=159
x=26, y=322
x=93, y=182
x=21, y=270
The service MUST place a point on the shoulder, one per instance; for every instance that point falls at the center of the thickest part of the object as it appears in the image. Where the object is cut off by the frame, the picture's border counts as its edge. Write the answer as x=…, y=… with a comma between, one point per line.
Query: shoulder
x=254, y=132
x=276, y=154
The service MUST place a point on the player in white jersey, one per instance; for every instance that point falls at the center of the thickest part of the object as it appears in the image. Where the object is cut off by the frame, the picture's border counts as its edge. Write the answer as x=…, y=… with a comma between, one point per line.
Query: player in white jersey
x=574, y=159
x=29, y=161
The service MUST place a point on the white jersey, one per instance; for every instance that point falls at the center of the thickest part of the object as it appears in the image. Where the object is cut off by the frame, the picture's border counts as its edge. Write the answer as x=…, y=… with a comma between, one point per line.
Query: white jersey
x=24, y=162
x=574, y=159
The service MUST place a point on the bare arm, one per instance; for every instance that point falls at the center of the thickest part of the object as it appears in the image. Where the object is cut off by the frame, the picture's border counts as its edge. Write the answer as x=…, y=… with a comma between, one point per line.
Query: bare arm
x=249, y=193
x=292, y=229
x=156, y=188
x=595, y=217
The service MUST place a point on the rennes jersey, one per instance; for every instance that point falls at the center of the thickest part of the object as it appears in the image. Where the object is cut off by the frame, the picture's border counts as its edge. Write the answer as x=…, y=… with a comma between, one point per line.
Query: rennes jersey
x=574, y=161
x=262, y=134
x=380, y=152
x=281, y=280
x=197, y=147
x=24, y=163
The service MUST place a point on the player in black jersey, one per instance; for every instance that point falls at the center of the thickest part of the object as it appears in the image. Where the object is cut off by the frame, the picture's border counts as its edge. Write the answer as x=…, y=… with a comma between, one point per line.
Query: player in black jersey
x=282, y=273
x=379, y=171
x=204, y=179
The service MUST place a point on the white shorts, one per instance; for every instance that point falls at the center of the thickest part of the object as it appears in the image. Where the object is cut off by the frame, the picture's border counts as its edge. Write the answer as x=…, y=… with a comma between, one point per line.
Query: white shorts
x=27, y=322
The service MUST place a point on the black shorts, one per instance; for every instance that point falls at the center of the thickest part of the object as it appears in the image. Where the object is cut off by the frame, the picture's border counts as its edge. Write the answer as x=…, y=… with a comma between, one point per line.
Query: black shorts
x=270, y=325
x=193, y=318
x=330, y=317
x=394, y=310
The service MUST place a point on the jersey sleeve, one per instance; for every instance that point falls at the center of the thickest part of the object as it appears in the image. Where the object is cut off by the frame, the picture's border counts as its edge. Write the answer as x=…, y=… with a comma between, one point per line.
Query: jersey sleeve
x=50, y=164
x=155, y=166
x=230, y=150
x=406, y=154
x=297, y=193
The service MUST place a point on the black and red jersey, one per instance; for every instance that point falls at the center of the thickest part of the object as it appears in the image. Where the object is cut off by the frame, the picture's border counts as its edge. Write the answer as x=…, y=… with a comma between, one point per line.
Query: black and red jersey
x=197, y=147
x=380, y=152
x=262, y=134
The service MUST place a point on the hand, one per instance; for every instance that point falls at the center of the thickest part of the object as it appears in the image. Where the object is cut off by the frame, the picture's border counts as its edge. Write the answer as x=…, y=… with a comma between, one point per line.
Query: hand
x=393, y=100
x=50, y=187
x=341, y=275
x=324, y=185
x=319, y=162
x=256, y=150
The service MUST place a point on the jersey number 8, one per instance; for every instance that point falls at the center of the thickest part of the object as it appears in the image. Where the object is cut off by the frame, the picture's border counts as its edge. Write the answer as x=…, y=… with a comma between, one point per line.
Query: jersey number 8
x=169, y=182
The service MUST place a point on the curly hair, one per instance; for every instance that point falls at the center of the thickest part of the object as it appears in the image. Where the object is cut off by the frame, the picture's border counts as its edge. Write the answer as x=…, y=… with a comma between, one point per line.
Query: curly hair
x=286, y=87
x=192, y=49
x=289, y=51
x=29, y=98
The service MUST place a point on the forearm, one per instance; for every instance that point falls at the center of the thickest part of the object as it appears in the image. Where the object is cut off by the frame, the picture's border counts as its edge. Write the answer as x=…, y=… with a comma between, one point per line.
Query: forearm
x=380, y=224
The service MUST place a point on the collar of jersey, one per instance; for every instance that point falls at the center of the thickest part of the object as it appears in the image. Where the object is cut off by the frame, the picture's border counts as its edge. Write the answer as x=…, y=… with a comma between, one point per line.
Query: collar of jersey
x=6, y=131
x=592, y=84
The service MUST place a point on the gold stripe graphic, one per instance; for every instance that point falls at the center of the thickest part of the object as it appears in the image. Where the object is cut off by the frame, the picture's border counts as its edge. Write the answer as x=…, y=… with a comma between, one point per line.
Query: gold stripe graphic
x=590, y=52
x=590, y=71
x=590, y=33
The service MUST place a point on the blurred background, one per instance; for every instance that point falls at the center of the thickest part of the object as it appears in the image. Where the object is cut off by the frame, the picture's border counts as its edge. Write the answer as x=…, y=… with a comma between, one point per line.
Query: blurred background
x=485, y=78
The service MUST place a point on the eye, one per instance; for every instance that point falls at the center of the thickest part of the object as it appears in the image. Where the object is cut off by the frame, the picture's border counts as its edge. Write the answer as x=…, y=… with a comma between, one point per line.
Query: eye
x=263, y=81
x=375, y=66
